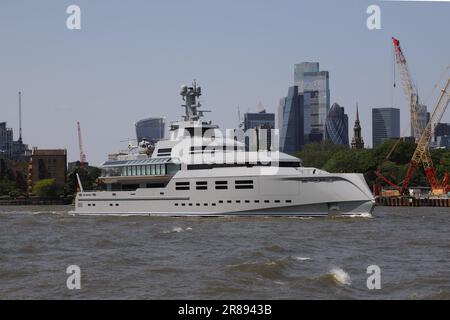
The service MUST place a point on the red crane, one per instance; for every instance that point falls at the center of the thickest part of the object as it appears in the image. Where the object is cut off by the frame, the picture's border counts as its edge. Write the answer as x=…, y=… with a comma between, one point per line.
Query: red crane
x=423, y=133
x=80, y=145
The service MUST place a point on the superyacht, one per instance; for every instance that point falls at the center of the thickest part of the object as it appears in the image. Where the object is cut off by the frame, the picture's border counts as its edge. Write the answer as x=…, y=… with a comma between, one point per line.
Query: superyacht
x=199, y=172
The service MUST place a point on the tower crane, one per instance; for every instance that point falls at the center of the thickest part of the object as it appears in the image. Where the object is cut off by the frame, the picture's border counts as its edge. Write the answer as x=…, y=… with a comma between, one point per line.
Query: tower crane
x=80, y=145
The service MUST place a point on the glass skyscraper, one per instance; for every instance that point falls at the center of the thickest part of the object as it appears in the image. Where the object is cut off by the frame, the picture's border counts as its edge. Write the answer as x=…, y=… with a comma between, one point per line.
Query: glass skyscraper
x=261, y=122
x=292, y=122
x=152, y=129
x=314, y=85
x=385, y=125
x=337, y=125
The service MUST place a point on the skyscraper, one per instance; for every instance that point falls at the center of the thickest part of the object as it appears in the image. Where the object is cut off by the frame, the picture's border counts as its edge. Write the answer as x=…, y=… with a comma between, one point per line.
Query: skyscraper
x=10, y=149
x=423, y=118
x=152, y=129
x=314, y=85
x=357, y=140
x=337, y=125
x=262, y=122
x=385, y=125
x=291, y=131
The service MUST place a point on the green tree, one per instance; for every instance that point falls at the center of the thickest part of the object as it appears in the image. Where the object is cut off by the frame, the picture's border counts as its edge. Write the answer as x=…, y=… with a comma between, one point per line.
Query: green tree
x=48, y=188
x=8, y=187
x=317, y=154
x=88, y=177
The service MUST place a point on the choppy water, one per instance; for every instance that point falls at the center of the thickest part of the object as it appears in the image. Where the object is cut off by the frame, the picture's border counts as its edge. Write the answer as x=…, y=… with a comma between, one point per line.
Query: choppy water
x=224, y=258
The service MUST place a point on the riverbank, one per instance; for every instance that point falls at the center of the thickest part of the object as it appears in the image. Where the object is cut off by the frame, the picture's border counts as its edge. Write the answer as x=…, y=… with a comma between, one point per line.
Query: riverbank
x=412, y=202
x=36, y=201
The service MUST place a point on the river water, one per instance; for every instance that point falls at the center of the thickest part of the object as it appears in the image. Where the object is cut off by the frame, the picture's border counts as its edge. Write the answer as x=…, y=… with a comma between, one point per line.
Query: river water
x=224, y=258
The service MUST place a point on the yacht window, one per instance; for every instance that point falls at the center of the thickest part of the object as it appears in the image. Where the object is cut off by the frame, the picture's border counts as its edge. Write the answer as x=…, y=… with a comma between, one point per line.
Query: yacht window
x=247, y=201
x=133, y=170
x=277, y=201
x=124, y=171
x=172, y=168
x=288, y=201
x=202, y=185
x=289, y=164
x=244, y=181
x=221, y=185
x=182, y=186
x=244, y=187
x=158, y=169
x=163, y=169
x=244, y=184
x=128, y=171
x=156, y=185
x=220, y=201
x=152, y=168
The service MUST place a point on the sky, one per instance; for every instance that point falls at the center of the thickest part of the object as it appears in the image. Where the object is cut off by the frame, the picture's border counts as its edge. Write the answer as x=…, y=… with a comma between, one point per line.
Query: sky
x=130, y=58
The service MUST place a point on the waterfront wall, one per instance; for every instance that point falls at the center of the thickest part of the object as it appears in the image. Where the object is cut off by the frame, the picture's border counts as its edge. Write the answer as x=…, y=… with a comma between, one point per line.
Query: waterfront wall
x=412, y=202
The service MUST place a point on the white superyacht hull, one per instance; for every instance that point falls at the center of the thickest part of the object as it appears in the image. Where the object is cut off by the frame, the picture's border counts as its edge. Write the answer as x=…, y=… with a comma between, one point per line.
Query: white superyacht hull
x=282, y=194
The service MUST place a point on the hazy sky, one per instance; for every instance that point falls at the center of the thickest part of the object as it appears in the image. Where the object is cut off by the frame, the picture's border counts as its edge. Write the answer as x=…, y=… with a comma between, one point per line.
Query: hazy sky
x=131, y=57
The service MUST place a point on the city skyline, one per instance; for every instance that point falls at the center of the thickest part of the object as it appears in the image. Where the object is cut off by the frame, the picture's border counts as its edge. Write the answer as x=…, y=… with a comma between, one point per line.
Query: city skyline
x=127, y=63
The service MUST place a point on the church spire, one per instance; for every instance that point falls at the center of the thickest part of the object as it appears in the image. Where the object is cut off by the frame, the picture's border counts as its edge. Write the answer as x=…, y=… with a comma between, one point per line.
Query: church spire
x=357, y=141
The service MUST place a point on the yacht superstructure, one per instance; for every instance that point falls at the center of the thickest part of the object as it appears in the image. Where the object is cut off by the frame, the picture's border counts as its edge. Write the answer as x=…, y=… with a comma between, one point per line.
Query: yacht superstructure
x=198, y=172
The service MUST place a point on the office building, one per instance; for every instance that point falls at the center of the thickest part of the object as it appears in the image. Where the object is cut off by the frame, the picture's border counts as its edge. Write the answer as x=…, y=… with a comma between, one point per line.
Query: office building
x=337, y=125
x=442, y=136
x=314, y=85
x=423, y=118
x=10, y=149
x=263, y=124
x=385, y=125
x=292, y=124
x=151, y=129
x=47, y=164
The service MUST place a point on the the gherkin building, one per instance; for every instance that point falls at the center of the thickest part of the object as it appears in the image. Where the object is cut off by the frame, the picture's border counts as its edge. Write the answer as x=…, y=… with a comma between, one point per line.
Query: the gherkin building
x=337, y=125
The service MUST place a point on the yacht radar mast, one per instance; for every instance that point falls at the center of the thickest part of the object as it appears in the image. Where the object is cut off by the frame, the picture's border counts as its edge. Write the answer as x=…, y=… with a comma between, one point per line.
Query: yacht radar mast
x=191, y=96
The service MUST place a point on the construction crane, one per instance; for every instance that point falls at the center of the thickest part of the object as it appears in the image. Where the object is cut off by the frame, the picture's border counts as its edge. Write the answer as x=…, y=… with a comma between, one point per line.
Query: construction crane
x=421, y=132
x=80, y=145
x=410, y=90
x=422, y=153
x=412, y=97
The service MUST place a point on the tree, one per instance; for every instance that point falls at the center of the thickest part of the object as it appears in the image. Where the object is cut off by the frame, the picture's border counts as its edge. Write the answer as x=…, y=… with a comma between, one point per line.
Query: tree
x=48, y=188
x=88, y=177
x=317, y=154
x=7, y=187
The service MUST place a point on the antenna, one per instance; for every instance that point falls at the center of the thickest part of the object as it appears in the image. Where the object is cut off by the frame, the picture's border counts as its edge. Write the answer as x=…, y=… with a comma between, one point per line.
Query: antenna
x=20, y=117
